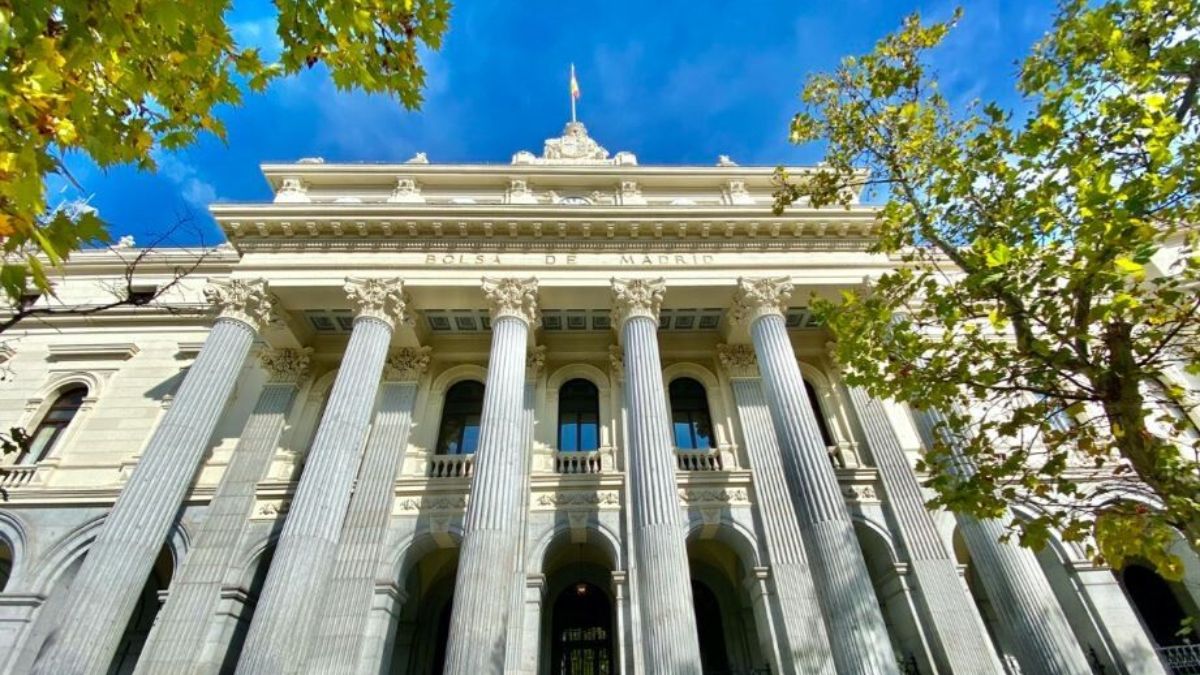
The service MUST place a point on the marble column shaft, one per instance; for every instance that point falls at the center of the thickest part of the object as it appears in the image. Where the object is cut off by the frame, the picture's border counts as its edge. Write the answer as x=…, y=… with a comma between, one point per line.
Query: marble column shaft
x=854, y=621
x=1029, y=613
x=109, y=584
x=184, y=622
x=491, y=529
x=805, y=647
x=960, y=643
x=670, y=642
x=351, y=591
x=294, y=590
x=515, y=646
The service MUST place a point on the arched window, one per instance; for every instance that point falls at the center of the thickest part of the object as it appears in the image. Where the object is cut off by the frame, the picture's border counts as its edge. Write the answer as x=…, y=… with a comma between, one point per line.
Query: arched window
x=459, y=433
x=53, y=424
x=6, y=564
x=822, y=426
x=1158, y=605
x=578, y=416
x=689, y=415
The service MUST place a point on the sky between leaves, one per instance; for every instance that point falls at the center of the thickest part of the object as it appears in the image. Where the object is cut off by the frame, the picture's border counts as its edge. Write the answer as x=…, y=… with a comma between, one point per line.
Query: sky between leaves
x=674, y=82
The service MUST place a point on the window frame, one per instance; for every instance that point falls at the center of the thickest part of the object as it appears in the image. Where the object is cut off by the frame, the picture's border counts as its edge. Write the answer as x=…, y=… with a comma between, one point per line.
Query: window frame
x=696, y=416
x=442, y=444
x=51, y=420
x=590, y=408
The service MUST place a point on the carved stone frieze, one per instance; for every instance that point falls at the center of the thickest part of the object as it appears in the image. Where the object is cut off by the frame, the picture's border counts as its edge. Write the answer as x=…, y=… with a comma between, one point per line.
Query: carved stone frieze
x=616, y=362
x=631, y=193
x=760, y=297
x=432, y=503
x=246, y=300
x=513, y=297
x=636, y=297
x=861, y=493
x=737, y=192
x=292, y=190
x=713, y=496
x=582, y=498
x=270, y=509
x=406, y=192
x=738, y=360
x=407, y=364
x=519, y=192
x=285, y=365
x=381, y=299
x=535, y=361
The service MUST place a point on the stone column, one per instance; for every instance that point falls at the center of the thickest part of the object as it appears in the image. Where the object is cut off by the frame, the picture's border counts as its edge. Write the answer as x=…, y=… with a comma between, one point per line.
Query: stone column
x=518, y=639
x=853, y=620
x=183, y=623
x=294, y=592
x=805, y=647
x=1030, y=616
x=660, y=563
x=351, y=591
x=491, y=529
x=955, y=629
x=109, y=584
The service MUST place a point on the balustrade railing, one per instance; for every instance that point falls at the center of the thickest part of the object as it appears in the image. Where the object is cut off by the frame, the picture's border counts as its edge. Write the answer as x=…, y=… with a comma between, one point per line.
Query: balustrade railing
x=699, y=460
x=1182, y=659
x=578, y=462
x=17, y=476
x=451, y=466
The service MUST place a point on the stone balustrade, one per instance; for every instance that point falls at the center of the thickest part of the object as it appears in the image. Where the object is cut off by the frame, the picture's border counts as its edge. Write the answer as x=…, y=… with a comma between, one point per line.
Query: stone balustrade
x=699, y=460
x=578, y=462
x=451, y=466
x=17, y=476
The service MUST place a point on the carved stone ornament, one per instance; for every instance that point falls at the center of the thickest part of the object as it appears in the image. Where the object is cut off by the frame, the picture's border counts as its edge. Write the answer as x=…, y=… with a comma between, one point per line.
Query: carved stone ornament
x=616, y=362
x=407, y=364
x=582, y=498
x=513, y=297
x=519, y=192
x=246, y=300
x=406, y=192
x=535, y=361
x=292, y=190
x=631, y=193
x=738, y=360
x=738, y=194
x=636, y=297
x=573, y=147
x=755, y=298
x=381, y=299
x=285, y=365
x=713, y=496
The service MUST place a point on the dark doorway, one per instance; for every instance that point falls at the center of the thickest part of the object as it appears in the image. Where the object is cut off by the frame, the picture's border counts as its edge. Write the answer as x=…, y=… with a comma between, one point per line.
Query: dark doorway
x=443, y=637
x=1157, y=604
x=582, y=632
x=142, y=620
x=713, y=656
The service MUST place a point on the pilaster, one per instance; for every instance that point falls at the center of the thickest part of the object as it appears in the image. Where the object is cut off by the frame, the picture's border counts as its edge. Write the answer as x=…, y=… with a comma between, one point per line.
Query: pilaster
x=306, y=552
x=183, y=624
x=493, y=526
x=854, y=623
x=668, y=625
x=108, y=586
x=348, y=600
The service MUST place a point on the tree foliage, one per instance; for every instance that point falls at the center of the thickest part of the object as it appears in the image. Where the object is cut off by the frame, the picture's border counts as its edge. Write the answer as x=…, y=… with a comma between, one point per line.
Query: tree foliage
x=1046, y=293
x=118, y=79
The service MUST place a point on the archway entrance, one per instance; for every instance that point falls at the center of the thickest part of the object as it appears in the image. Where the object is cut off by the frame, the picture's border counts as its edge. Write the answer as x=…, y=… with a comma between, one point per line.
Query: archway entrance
x=581, y=629
x=1158, y=605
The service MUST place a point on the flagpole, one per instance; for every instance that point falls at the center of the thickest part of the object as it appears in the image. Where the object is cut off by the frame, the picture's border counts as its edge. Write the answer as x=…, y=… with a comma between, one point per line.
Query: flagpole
x=571, y=93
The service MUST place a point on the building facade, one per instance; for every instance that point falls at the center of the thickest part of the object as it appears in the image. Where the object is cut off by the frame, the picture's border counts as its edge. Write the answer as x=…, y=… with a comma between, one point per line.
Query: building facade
x=564, y=415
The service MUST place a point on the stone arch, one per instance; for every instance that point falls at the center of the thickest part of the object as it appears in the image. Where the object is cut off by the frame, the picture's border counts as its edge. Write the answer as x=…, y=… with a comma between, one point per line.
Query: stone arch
x=739, y=538
x=424, y=566
x=718, y=408
x=722, y=559
x=417, y=545
x=901, y=617
x=580, y=371
x=301, y=434
x=605, y=539
x=15, y=536
x=425, y=435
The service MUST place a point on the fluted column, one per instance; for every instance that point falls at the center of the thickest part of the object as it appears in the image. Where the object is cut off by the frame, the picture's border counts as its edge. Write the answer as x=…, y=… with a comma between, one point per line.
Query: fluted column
x=348, y=600
x=669, y=640
x=955, y=629
x=294, y=592
x=1029, y=614
x=108, y=586
x=518, y=635
x=853, y=620
x=183, y=624
x=805, y=647
x=493, y=525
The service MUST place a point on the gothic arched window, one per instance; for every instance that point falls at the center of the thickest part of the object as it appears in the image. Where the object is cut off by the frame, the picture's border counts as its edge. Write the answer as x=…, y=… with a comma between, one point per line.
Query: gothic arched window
x=459, y=432
x=578, y=416
x=689, y=415
x=822, y=424
x=53, y=424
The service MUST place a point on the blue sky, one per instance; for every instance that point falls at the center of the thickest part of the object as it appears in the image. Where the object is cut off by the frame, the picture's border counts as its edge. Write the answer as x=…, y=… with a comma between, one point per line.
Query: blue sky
x=674, y=82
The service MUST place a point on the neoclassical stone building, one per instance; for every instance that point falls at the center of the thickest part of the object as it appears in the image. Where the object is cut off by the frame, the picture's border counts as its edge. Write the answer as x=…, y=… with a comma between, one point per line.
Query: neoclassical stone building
x=563, y=415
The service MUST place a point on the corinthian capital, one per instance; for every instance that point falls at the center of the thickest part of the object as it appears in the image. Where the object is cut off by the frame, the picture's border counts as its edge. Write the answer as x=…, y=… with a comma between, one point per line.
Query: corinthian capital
x=760, y=297
x=407, y=364
x=738, y=360
x=382, y=299
x=246, y=300
x=636, y=297
x=285, y=365
x=513, y=297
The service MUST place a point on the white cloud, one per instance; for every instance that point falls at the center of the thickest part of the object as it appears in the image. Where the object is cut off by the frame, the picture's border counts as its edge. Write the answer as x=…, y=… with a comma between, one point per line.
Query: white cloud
x=195, y=191
x=258, y=33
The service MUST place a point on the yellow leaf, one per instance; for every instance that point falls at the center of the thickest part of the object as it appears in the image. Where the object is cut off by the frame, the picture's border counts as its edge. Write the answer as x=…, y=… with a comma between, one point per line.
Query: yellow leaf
x=1127, y=265
x=6, y=228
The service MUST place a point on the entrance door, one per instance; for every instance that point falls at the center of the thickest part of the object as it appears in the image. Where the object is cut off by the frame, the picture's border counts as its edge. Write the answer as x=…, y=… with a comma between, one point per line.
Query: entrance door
x=582, y=632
